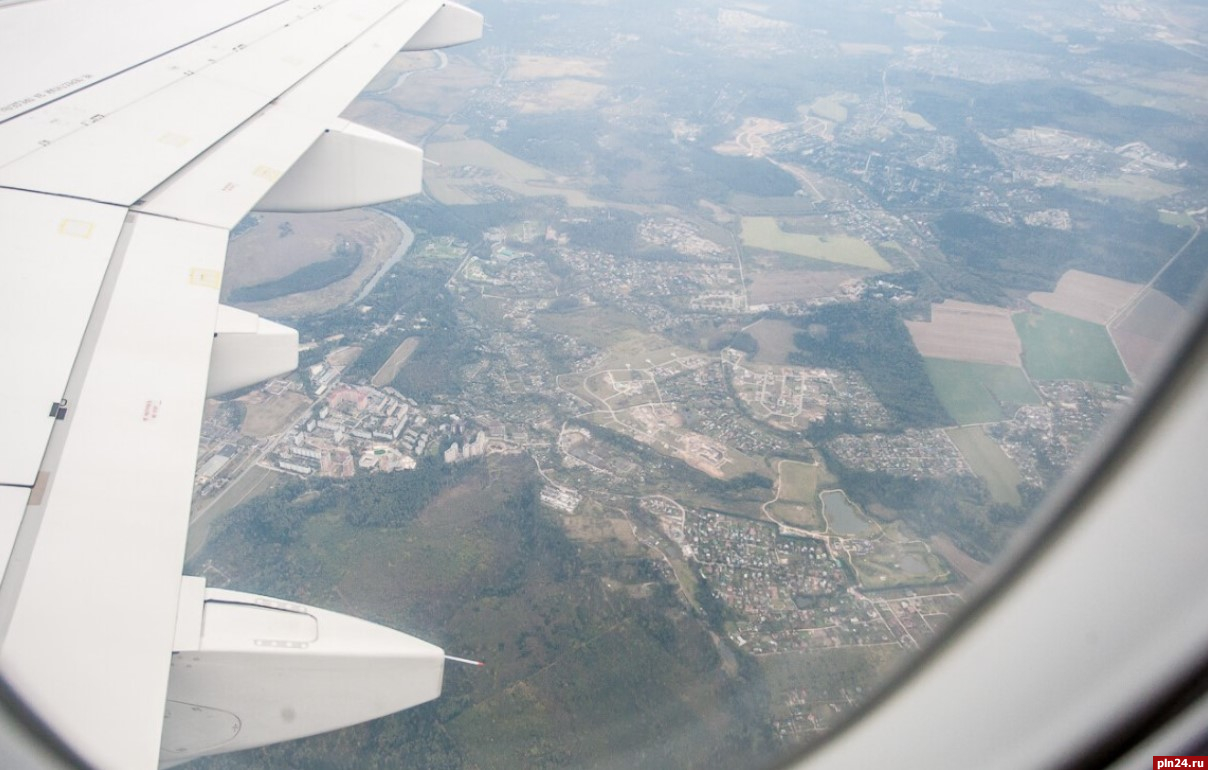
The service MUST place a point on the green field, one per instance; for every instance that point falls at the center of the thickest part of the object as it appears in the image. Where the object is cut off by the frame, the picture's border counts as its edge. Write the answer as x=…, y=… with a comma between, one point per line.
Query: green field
x=989, y=462
x=798, y=501
x=972, y=392
x=896, y=565
x=1058, y=347
x=765, y=233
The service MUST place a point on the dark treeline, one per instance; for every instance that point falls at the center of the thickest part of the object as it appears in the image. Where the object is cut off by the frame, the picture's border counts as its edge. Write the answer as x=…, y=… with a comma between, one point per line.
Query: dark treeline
x=1116, y=242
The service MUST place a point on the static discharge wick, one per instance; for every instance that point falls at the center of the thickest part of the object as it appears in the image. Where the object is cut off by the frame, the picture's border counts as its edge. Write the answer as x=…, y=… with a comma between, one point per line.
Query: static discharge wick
x=463, y=660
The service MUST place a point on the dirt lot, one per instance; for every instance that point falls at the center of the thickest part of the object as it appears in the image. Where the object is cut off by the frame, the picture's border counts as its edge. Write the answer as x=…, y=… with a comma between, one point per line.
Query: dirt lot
x=963, y=331
x=1086, y=296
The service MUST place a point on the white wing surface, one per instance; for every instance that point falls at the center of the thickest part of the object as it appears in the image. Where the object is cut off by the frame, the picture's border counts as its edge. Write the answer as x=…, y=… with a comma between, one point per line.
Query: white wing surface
x=133, y=136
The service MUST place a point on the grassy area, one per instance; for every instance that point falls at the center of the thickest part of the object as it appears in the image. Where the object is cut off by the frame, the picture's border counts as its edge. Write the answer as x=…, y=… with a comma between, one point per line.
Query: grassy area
x=896, y=565
x=1130, y=186
x=831, y=109
x=816, y=678
x=765, y=233
x=1176, y=218
x=775, y=340
x=603, y=327
x=1058, y=347
x=972, y=392
x=273, y=414
x=508, y=172
x=989, y=462
x=797, y=515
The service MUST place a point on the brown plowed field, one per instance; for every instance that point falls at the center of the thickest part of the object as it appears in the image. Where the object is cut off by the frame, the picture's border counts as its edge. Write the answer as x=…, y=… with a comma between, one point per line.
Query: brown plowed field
x=1140, y=333
x=964, y=331
x=1087, y=296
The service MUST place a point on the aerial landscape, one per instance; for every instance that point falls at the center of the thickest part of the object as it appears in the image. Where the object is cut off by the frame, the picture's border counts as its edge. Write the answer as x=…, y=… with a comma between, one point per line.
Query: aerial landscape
x=728, y=345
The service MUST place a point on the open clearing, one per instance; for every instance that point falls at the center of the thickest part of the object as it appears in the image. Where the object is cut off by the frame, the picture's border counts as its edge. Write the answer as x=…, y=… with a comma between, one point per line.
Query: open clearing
x=389, y=370
x=1087, y=296
x=1143, y=329
x=533, y=67
x=988, y=461
x=545, y=96
x=965, y=564
x=775, y=340
x=468, y=166
x=797, y=501
x=1130, y=186
x=973, y=392
x=765, y=233
x=888, y=564
x=964, y=331
x=268, y=415
x=281, y=244
x=830, y=108
x=1058, y=347
x=769, y=286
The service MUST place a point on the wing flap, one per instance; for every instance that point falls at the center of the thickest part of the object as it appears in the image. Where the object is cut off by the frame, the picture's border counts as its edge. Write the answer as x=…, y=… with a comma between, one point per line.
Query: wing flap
x=55, y=254
x=120, y=477
x=12, y=508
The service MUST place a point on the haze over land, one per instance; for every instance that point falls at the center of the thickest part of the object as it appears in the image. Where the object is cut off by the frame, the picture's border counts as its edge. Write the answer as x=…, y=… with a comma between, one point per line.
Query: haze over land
x=734, y=340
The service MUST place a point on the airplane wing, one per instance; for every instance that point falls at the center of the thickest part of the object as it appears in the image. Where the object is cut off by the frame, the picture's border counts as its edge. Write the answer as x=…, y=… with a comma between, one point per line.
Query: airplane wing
x=133, y=136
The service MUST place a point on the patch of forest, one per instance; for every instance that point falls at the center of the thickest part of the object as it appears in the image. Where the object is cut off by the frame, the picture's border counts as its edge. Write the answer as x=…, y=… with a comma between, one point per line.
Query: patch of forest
x=871, y=338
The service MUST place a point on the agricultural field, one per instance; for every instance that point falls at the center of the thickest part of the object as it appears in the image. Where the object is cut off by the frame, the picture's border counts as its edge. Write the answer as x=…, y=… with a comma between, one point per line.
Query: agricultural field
x=1059, y=347
x=988, y=461
x=1142, y=329
x=765, y=233
x=964, y=331
x=470, y=167
x=973, y=392
x=770, y=285
x=1090, y=297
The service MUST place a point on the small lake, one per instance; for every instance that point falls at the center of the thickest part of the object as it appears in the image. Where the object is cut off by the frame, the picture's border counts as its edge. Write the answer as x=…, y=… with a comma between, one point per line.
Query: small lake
x=843, y=517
